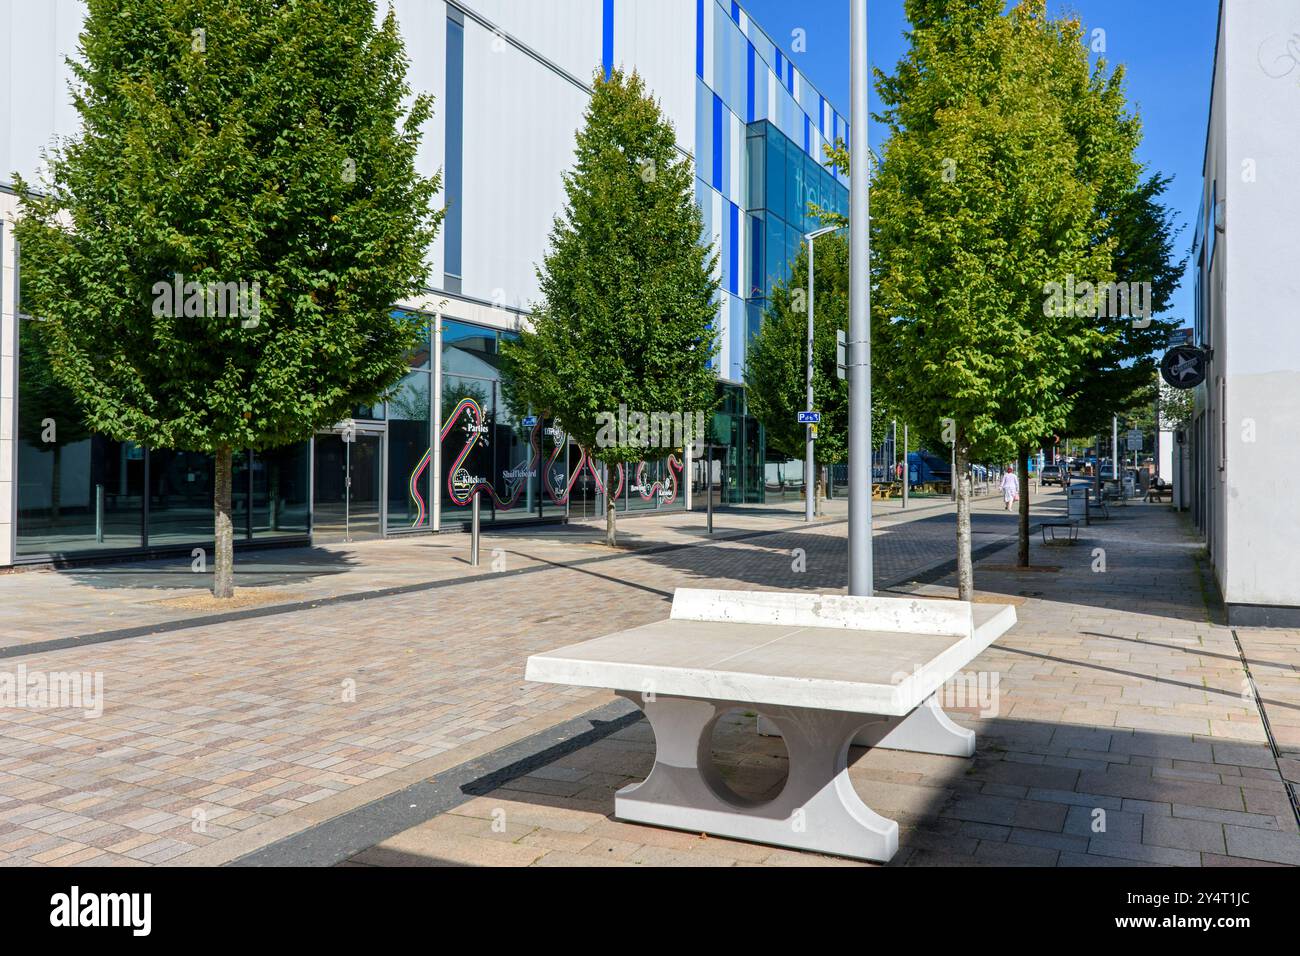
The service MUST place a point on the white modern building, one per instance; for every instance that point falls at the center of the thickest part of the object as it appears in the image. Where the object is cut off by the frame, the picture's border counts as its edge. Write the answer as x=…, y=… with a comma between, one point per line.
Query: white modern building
x=511, y=80
x=1245, y=438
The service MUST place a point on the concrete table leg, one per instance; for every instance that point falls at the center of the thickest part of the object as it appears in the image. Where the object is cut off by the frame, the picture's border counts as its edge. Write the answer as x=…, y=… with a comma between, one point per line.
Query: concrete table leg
x=817, y=809
x=926, y=730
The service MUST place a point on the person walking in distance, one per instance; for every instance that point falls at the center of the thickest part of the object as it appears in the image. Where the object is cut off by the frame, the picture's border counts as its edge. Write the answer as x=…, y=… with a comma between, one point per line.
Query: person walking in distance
x=1010, y=488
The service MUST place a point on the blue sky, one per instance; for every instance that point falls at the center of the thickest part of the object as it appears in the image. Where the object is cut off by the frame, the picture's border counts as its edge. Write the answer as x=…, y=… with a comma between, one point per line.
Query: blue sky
x=1167, y=47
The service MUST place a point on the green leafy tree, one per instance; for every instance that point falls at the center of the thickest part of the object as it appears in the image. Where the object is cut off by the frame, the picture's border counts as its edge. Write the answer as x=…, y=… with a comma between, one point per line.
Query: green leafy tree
x=1121, y=380
x=775, y=372
x=225, y=142
x=1001, y=141
x=1177, y=406
x=1128, y=227
x=627, y=310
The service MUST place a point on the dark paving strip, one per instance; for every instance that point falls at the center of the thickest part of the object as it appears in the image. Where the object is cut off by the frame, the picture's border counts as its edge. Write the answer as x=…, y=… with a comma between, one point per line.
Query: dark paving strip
x=1268, y=730
x=938, y=572
x=346, y=835
x=250, y=614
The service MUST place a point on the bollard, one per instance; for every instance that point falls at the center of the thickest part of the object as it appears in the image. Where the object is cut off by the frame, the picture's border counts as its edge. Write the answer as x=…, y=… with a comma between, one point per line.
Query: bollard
x=474, y=532
x=709, y=507
x=99, y=514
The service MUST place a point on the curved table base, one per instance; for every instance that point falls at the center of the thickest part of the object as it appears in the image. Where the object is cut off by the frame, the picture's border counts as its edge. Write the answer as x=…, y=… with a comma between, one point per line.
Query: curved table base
x=817, y=809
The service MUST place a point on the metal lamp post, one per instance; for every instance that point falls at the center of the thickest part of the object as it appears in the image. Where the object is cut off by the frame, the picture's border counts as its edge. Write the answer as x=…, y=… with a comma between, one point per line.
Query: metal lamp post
x=860, y=570
x=810, y=479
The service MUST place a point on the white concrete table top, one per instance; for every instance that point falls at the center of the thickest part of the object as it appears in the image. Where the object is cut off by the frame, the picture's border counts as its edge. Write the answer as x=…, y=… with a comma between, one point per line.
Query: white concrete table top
x=824, y=671
x=831, y=667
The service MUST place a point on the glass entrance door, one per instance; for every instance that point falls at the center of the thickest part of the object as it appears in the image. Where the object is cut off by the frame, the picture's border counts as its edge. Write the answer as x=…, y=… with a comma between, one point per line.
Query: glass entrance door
x=348, y=482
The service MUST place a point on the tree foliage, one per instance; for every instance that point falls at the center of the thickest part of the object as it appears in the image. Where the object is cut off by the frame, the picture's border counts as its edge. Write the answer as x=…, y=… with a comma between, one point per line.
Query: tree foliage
x=1121, y=380
x=230, y=141
x=1005, y=149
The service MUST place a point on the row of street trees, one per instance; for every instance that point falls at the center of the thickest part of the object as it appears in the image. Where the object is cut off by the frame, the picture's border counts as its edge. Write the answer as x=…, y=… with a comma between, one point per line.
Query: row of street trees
x=274, y=145
x=1010, y=165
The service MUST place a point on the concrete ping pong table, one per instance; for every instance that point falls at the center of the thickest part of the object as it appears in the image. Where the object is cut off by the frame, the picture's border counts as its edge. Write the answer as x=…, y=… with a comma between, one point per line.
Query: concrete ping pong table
x=827, y=670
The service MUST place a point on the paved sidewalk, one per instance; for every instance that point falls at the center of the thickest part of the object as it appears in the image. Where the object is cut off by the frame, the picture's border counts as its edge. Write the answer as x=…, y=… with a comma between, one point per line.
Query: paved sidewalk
x=223, y=735
x=1125, y=733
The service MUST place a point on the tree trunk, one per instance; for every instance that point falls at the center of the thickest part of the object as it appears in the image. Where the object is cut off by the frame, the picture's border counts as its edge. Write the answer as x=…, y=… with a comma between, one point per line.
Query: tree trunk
x=611, y=522
x=1022, y=466
x=961, y=483
x=223, y=571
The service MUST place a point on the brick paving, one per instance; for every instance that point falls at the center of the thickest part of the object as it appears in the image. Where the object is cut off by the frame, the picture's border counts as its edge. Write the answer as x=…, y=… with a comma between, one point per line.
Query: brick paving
x=1125, y=735
x=221, y=737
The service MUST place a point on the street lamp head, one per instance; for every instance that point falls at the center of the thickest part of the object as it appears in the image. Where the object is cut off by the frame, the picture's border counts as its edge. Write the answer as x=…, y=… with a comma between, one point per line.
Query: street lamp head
x=818, y=233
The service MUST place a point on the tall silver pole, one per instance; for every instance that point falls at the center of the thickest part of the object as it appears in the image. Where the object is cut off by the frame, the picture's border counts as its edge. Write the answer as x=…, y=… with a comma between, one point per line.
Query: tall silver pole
x=860, y=570
x=1114, y=449
x=474, y=529
x=809, y=479
x=435, y=440
x=708, y=450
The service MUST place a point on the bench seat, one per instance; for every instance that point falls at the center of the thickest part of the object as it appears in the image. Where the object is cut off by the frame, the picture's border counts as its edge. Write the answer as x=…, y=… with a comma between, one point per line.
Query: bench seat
x=1070, y=523
x=827, y=671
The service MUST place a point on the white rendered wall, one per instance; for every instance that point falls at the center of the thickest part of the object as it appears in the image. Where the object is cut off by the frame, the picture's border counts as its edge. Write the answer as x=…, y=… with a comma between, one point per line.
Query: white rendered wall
x=658, y=39
x=424, y=31
x=520, y=122
x=35, y=36
x=1260, y=326
x=566, y=32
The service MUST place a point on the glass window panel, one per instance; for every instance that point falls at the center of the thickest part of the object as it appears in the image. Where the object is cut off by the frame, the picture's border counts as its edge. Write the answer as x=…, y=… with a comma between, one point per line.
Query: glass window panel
x=776, y=246
x=469, y=350
x=76, y=490
x=419, y=356
x=409, y=475
x=756, y=160
x=776, y=173
x=180, y=496
x=281, y=483
x=467, y=407
x=757, y=264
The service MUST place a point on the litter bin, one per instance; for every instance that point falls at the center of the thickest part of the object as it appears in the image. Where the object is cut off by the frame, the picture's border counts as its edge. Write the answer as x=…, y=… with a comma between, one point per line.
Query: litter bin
x=1077, y=496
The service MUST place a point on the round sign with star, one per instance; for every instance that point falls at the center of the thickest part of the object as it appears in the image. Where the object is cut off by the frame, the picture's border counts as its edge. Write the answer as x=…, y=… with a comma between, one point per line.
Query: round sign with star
x=1183, y=366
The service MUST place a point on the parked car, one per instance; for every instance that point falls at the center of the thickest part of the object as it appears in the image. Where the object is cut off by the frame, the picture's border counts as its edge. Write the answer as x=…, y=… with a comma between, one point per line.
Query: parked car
x=1050, y=475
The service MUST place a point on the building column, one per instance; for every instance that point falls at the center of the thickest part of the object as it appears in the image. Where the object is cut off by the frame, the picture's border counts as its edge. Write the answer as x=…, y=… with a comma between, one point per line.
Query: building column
x=8, y=386
x=435, y=398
